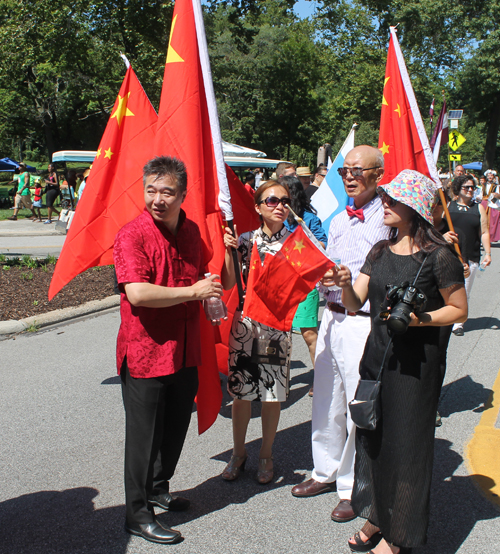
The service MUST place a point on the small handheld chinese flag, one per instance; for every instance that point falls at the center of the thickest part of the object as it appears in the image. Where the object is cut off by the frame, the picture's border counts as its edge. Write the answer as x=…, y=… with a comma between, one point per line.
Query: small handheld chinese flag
x=275, y=290
x=402, y=138
x=114, y=192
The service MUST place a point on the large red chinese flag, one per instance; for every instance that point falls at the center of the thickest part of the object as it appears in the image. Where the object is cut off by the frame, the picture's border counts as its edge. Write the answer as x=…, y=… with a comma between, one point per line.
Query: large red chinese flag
x=276, y=289
x=402, y=138
x=113, y=193
x=188, y=128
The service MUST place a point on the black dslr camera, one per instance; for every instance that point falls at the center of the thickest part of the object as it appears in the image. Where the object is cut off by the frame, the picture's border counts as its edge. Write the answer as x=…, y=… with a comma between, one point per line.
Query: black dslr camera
x=403, y=299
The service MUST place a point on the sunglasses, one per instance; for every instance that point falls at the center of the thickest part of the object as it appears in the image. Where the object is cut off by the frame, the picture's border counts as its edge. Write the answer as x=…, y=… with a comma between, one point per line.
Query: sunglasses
x=468, y=188
x=355, y=171
x=274, y=201
x=386, y=199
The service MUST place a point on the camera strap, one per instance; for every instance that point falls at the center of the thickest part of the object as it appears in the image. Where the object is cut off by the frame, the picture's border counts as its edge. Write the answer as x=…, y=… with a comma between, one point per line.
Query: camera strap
x=379, y=376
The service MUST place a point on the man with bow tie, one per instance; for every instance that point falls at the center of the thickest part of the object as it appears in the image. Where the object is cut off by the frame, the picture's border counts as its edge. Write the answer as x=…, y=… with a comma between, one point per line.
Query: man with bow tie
x=342, y=335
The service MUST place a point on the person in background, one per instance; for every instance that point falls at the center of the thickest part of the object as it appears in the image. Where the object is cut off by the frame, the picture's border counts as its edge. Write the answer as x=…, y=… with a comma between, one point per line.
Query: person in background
x=458, y=171
x=482, y=184
x=37, y=199
x=250, y=182
x=492, y=190
x=306, y=316
x=23, y=195
x=258, y=177
x=284, y=169
x=83, y=184
x=250, y=378
x=52, y=191
x=319, y=174
x=471, y=218
x=304, y=175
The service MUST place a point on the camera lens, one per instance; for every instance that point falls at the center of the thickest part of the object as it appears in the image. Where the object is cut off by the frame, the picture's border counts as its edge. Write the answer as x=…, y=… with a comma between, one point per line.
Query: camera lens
x=400, y=318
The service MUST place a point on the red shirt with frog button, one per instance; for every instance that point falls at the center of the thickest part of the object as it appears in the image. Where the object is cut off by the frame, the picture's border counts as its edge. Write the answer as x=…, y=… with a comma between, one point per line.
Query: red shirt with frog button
x=158, y=341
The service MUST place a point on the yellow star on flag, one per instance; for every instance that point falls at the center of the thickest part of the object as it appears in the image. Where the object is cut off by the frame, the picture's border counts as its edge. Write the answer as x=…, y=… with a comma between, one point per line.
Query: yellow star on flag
x=172, y=55
x=299, y=244
x=98, y=153
x=384, y=149
x=108, y=153
x=122, y=110
x=398, y=109
x=384, y=101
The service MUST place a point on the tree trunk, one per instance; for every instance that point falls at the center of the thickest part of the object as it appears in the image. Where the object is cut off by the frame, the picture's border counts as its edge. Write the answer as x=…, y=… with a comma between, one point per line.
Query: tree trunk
x=492, y=135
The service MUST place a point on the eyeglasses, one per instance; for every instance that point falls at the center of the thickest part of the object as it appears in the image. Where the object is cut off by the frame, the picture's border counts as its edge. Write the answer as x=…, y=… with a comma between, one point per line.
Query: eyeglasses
x=274, y=201
x=468, y=188
x=355, y=171
x=386, y=199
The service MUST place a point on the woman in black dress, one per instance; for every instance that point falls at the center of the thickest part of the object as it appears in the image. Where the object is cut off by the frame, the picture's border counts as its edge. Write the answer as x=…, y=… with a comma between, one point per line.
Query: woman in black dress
x=471, y=219
x=52, y=192
x=393, y=467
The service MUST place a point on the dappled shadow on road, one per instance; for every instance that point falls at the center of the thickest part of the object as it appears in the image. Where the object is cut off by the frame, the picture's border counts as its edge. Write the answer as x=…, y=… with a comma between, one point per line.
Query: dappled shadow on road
x=480, y=323
x=61, y=522
x=216, y=494
x=456, y=503
x=463, y=395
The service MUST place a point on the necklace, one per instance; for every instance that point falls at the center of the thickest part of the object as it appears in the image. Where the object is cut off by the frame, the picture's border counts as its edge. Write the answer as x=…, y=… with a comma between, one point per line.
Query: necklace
x=462, y=207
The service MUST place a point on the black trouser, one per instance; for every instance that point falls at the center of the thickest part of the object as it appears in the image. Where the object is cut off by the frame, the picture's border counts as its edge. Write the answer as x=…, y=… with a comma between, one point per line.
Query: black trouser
x=157, y=415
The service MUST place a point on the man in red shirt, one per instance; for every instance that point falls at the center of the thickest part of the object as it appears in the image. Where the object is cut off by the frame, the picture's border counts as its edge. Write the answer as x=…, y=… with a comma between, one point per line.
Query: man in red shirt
x=158, y=262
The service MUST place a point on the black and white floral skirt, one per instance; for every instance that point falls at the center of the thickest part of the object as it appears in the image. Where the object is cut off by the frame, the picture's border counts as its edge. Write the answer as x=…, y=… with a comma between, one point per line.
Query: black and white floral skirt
x=251, y=381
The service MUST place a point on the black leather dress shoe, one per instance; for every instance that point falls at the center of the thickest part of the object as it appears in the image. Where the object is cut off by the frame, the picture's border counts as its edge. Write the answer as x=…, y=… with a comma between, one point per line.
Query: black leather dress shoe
x=154, y=532
x=168, y=502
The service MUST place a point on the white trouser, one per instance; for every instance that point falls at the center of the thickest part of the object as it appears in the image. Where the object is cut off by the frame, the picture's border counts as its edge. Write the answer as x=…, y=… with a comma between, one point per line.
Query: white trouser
x=341, y=342
x=474, y=266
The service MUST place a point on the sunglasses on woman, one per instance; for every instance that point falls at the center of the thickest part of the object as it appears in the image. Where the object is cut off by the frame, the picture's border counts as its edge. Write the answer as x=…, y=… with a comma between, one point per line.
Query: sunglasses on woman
x=274, y=201
x=386, y=199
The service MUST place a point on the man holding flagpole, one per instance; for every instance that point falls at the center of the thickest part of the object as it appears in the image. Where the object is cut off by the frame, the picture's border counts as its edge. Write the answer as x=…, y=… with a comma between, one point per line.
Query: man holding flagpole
x=342, y=335
x=159, y=262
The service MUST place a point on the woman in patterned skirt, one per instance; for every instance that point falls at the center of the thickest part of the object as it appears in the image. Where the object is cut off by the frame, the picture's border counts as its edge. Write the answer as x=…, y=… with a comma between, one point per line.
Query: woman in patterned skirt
x=250, y=379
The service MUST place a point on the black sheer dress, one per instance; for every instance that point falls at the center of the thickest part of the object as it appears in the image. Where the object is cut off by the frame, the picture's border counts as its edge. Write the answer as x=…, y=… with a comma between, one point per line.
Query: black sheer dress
x=393, y=468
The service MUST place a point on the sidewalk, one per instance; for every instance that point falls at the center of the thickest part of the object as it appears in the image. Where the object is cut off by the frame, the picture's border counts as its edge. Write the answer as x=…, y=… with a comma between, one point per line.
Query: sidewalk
x=27, y=238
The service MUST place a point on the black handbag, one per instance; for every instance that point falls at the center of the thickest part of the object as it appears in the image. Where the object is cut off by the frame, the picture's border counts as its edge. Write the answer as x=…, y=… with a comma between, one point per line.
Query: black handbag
x=272, y=352
x=365, y=407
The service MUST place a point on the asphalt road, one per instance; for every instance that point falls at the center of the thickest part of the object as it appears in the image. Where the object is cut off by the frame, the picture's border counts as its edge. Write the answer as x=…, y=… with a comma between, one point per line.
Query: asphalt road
x=61, y=454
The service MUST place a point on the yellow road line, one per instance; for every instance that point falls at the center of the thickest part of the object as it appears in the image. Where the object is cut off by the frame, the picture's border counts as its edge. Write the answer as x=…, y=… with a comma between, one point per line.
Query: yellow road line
x=483, y=450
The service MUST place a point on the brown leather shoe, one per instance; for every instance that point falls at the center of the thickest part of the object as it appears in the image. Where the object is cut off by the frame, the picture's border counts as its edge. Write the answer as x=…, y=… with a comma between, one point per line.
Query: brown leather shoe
x=343, y=512
x=312, y=488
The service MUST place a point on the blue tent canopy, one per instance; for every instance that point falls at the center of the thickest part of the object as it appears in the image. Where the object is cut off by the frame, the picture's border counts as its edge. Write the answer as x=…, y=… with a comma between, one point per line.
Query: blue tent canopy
x=474, y=165
x=6, y=164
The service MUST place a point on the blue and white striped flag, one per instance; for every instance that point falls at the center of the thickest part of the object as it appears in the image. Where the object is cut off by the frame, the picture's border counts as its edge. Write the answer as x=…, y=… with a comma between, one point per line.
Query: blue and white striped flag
x=331, y=197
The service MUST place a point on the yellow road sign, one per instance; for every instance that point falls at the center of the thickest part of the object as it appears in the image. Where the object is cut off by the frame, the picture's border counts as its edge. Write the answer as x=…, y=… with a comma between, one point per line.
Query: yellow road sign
x=456, y=140
x=455, y=157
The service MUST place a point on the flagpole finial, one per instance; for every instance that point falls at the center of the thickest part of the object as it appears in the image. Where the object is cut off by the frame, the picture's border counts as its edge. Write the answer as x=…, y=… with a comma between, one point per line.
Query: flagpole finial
x=125, y=60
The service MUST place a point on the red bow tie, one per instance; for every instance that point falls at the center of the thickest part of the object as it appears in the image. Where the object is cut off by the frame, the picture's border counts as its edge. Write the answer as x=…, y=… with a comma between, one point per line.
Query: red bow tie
x=355, y=213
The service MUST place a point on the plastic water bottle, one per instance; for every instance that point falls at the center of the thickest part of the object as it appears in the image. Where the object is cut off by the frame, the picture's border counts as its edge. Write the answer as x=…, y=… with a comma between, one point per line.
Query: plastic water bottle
x=214, y=307
x=482, y=266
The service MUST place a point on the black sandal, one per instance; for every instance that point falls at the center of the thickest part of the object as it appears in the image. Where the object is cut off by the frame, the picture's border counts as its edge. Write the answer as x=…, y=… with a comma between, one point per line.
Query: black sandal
x=362, y=546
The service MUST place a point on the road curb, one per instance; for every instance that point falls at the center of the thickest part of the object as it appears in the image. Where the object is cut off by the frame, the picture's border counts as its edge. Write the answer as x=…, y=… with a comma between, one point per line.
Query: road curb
x=57, y=316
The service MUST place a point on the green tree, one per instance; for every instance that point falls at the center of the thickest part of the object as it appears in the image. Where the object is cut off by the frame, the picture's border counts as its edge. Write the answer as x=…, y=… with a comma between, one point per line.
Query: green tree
x=267, y=90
